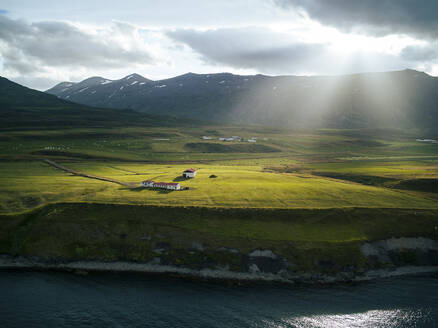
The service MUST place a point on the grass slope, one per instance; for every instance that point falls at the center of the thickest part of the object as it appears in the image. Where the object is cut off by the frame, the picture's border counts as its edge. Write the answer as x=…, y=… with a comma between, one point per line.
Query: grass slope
x=306, y=238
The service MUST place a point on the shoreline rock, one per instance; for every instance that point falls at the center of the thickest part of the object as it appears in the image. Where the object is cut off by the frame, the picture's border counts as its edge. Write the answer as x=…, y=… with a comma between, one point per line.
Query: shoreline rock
x=83, y=267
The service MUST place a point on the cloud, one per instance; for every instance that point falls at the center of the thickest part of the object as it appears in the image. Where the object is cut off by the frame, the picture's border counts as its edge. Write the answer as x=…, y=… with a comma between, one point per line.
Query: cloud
x=376, y=17
x=250, y=47
x=3, y=11
x=43, y=83
x=272, y=52
x=422, y=53
x=32, y=48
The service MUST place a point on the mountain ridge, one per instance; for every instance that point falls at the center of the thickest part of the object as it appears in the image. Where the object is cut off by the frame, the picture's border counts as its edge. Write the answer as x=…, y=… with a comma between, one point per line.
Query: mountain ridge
x=188, y=74
x=406, y=99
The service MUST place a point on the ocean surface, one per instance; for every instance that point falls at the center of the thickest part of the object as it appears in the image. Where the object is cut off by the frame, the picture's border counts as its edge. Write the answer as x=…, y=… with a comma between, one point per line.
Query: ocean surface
x=36, y=299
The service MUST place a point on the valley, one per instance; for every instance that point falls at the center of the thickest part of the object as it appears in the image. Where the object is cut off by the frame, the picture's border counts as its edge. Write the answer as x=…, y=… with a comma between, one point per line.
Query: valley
x=307, y=200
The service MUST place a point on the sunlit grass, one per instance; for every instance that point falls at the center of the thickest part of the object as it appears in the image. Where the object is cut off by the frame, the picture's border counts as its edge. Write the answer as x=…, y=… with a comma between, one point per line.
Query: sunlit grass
x=285, y=179
x=25, y=184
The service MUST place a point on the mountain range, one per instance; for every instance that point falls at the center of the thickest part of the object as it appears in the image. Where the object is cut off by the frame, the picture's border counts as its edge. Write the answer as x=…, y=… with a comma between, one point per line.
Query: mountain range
x=402, y=99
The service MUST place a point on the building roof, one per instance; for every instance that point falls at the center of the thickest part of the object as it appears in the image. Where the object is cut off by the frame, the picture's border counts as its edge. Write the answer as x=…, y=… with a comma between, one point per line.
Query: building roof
x=190, y=170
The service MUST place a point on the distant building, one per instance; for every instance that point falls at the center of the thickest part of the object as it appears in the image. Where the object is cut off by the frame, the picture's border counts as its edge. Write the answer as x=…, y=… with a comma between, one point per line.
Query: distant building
x=427, y=140
x=162, y=185
x=252, y=140
x=207, y=138
x=189, y=173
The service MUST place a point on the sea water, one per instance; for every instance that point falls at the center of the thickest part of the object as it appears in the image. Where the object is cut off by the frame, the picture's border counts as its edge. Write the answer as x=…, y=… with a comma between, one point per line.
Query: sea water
x=37, y=299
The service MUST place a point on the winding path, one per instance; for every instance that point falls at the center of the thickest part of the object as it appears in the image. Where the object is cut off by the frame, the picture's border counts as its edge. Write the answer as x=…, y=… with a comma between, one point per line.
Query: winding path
x=90, y=176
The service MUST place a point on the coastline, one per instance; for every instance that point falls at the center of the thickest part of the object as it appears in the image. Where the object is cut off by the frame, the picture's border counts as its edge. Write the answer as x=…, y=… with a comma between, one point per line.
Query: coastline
x=83, y=267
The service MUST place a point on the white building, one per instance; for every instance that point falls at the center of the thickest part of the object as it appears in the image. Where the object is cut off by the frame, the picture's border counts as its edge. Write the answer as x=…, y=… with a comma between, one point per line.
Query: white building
x=162, y=185
x=167, y=185
x=189, y=173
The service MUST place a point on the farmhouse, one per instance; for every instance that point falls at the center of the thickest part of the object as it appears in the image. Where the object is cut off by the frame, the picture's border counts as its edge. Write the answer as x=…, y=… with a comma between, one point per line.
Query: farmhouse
x=189, y=173
x=162, y=185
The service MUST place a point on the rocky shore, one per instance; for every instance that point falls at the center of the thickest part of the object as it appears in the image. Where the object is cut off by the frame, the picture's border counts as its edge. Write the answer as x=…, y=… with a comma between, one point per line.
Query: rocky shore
x=386, y=258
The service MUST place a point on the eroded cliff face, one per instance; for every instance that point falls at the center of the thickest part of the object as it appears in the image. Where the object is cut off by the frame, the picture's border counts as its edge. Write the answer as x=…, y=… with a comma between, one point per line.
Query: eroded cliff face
x=401, y=251
x=384, y=258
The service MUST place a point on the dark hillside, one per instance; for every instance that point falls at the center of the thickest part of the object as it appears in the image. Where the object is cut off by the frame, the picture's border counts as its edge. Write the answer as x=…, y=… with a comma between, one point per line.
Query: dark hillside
x=21, y=107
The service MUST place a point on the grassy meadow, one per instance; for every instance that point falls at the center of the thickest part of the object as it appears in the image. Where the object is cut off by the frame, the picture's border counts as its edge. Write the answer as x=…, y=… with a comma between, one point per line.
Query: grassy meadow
x=284, y=169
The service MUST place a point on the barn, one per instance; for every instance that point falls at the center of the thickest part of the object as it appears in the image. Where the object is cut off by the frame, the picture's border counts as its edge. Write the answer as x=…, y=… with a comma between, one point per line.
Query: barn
x=189, y=173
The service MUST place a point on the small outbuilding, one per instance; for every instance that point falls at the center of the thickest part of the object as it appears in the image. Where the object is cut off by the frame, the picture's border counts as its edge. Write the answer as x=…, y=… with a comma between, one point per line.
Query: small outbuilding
x=189, y=173
x=148, y=183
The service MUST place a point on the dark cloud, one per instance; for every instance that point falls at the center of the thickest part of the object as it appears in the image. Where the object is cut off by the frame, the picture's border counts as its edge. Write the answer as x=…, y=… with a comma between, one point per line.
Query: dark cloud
x=33, y=47
x=378, y=17
x=256, y=48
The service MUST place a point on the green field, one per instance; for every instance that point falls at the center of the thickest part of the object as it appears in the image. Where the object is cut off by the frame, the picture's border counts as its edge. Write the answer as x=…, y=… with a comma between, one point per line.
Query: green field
x=284, y=169
x=310, y=196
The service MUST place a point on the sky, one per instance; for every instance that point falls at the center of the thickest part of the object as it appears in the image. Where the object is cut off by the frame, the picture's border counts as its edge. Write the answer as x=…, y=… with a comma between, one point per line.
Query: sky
x=45, y=42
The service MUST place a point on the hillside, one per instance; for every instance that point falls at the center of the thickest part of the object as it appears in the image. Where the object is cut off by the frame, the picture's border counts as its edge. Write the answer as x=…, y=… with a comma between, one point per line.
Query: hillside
x=392, y=99
x=24, y=107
